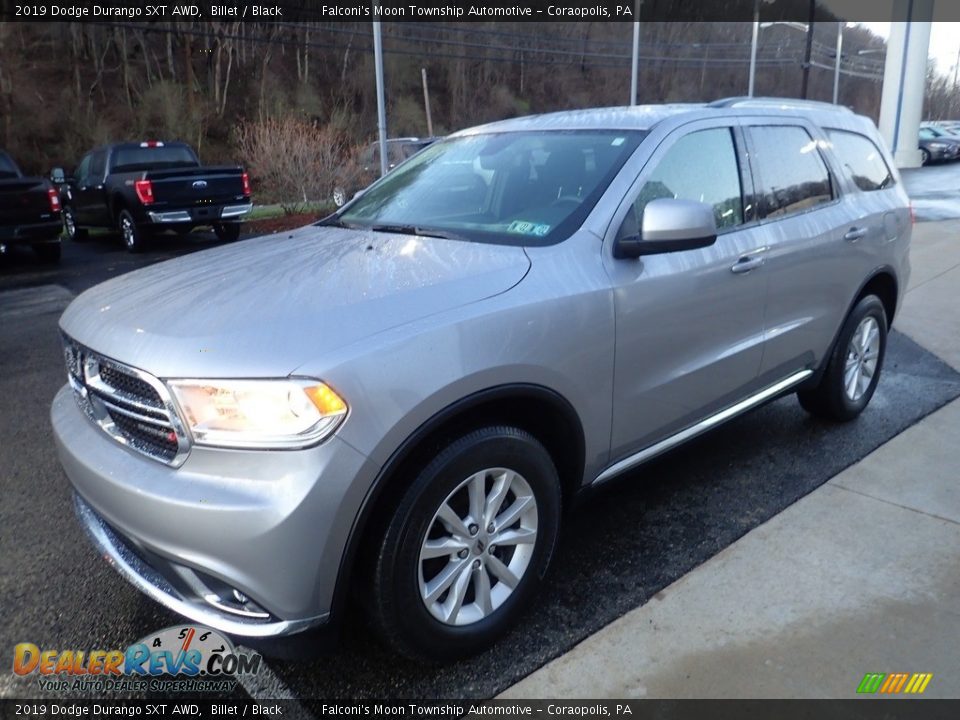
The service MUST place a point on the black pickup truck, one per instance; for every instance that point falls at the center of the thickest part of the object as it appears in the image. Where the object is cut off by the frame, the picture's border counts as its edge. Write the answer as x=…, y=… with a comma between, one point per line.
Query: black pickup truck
x=29, y=212
x=143, y=188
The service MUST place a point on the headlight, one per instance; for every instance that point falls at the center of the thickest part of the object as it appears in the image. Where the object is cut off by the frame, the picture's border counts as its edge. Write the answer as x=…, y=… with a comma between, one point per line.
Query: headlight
x=259, y=413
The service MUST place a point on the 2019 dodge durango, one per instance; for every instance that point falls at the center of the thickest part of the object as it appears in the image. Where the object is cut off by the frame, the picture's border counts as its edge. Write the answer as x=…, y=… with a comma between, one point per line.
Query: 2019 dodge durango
x=393, y=406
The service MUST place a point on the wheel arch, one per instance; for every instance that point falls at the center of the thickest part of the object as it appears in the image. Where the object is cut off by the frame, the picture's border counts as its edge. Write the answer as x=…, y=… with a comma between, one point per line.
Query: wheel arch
x=542, y=412
x=882, y=282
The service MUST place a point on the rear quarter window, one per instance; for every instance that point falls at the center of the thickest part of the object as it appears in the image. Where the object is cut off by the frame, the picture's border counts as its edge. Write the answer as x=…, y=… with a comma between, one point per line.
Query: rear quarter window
x=862, y=159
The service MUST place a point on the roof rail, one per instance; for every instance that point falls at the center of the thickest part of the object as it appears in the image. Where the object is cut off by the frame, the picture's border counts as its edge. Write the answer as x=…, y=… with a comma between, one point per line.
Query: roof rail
x=777, y=102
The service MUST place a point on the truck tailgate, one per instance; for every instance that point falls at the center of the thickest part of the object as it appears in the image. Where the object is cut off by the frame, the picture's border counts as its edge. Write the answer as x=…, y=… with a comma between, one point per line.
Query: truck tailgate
x=24, y=201
x=188, y=187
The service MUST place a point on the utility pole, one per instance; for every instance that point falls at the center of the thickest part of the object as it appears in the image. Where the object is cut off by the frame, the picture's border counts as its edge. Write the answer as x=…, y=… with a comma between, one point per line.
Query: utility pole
x=753, y=46
x=381, y=103
x=426, y=101
x=836, y=67
x=809, y=51
x=635, y=67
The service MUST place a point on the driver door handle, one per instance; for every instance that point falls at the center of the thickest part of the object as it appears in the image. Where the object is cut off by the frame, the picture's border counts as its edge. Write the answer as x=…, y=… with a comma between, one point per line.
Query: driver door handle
x=749, y=261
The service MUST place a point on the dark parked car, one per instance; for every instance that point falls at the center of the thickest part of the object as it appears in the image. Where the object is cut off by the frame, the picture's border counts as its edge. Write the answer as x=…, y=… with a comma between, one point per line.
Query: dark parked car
x=30, y=212
x=937, y=146
x=142, y=188
x=398, y=150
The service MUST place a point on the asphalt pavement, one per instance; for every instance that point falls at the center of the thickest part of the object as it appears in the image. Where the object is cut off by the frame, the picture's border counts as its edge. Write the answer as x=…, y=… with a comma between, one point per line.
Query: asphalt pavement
x=618, y=552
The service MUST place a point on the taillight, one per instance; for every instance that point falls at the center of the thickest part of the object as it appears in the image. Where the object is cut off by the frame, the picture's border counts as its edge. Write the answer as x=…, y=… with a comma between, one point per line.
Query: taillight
x=144, y=190
x=246, y=184
x=54, y=197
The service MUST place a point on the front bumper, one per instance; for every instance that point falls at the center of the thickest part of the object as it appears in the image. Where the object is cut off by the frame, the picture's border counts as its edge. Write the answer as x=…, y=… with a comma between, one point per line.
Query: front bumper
x=271, y=525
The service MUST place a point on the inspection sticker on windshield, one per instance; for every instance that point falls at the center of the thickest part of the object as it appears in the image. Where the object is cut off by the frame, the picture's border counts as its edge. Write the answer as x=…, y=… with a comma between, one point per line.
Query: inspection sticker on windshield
x=528, y=228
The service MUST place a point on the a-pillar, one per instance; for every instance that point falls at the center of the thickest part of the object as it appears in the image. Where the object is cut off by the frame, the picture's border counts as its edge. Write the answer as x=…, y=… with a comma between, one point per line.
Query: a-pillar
x=905, y=78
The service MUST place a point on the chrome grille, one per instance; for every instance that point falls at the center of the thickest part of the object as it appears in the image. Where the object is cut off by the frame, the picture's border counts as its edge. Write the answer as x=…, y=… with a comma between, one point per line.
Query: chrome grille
x=131, y=406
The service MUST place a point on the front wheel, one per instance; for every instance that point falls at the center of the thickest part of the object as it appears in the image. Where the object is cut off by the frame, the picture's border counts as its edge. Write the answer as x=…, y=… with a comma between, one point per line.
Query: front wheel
x=467, y=546
x=853, y=369
x=133, y=237
x=924, y=157
x=227, y=232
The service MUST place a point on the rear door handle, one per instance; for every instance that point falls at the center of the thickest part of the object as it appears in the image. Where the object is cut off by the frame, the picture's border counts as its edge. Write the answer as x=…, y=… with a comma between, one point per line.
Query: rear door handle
x=749, y=261
x=854, y=234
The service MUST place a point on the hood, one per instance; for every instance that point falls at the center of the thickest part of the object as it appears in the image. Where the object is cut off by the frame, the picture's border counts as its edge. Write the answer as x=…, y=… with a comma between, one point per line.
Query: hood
x=265, y=306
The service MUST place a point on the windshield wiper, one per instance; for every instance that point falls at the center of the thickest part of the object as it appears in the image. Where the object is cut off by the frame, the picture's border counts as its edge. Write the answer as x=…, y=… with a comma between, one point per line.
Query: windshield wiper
x=415, y=230
x=334, y=221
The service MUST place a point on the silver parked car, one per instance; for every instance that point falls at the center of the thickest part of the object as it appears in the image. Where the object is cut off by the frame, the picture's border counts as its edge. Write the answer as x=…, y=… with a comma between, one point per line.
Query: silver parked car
x=394, y=406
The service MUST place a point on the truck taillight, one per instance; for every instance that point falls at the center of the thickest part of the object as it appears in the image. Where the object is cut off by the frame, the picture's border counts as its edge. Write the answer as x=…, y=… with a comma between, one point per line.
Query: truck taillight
x=246, y=184
x=54, y=197
x=144, y=190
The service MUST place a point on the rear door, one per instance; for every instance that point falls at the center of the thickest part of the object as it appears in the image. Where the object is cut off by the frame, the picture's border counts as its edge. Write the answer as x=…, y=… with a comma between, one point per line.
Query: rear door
x=689, y=325
x=811, y=233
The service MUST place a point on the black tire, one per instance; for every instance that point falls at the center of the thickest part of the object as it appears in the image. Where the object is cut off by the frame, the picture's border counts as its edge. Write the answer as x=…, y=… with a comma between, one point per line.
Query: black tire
x=830, y=398
x=399, y=610
x=134, y=237
x=227, y=232
x=924, y=156
x=48, y=252
x=77, y=234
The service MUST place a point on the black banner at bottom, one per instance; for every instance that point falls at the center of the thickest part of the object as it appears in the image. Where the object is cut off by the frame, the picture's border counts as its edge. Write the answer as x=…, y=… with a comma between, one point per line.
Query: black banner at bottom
x=865, y=709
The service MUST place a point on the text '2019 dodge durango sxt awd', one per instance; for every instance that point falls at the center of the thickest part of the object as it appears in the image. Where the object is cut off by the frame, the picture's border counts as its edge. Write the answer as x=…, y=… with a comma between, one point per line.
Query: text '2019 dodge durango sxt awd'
x=395, y=404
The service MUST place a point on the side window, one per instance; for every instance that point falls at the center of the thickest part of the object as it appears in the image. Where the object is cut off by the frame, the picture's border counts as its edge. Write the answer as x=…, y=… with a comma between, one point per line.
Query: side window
x=98, y=165
x=700, y=166
x=83, y=169
x=791, y=174
x=862, y=159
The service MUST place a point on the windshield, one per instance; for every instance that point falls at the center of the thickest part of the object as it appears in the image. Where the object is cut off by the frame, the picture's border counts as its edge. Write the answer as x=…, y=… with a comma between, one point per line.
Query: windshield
x=521, y=188
x=129, y=159
x=7, y=169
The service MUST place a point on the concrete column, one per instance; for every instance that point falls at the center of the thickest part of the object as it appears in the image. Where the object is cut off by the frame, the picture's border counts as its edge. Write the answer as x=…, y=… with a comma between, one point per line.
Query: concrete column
x=904, y=79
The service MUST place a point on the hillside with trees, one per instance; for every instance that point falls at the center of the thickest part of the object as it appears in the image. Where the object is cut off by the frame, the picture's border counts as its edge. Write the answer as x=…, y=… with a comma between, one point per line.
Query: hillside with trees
x=305, y=91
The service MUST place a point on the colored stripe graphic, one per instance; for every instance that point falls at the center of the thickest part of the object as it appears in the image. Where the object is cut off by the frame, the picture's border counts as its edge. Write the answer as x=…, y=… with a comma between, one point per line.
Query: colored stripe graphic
x=894, y=683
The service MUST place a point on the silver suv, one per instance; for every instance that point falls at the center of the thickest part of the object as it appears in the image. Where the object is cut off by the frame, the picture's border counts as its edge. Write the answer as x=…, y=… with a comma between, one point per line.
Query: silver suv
x=394, y=406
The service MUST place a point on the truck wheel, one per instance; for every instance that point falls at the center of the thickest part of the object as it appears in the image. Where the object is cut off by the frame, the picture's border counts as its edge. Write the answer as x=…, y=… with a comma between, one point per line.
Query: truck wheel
x=227, y=232
x=48, y=252
x=75, y=233
x=133, y=237
x=467, y=545
x=854, y=367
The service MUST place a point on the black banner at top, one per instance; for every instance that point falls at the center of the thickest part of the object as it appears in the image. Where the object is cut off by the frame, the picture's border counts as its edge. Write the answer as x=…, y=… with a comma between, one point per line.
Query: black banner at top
x=299, y=11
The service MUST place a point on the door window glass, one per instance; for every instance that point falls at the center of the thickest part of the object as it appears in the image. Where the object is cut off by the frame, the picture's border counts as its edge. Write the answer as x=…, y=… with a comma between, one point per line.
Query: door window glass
x=701, y=166
x=791, y=174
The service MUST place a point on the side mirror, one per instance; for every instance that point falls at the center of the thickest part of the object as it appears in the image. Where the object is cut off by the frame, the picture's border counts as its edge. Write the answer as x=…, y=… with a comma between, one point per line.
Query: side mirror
x=670, y=225
x=58, y=176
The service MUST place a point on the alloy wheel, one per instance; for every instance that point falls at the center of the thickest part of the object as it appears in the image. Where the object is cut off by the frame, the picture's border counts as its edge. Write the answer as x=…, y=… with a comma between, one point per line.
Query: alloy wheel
x=478, y=546
x=863, y=352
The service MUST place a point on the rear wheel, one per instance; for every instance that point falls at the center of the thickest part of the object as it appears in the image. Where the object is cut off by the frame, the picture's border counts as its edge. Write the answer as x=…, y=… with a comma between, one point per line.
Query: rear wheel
x=467, y=546
x=48, y=252
x=853, y=370
x=134, y=238
x=227, y=232
x=924, y=157
x=75, y=233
